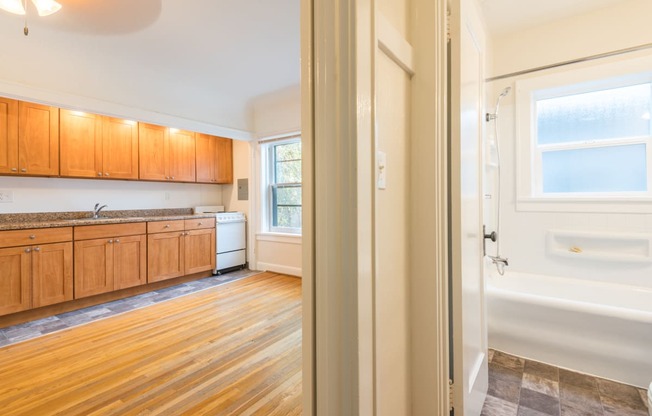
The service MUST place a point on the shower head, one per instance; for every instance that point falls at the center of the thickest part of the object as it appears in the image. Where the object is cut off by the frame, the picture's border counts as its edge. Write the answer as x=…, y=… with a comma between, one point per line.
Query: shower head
x=503, y=93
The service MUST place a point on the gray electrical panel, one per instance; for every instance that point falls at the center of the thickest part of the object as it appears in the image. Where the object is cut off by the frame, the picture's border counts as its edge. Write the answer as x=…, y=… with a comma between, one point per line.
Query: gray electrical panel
x=243, y=189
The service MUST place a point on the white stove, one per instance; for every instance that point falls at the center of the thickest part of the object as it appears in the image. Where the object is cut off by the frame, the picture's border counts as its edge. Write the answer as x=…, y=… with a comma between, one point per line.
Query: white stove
x=231, y=237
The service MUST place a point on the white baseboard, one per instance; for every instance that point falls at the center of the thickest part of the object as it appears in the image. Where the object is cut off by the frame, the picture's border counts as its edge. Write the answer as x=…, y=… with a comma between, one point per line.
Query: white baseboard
x=279, y=268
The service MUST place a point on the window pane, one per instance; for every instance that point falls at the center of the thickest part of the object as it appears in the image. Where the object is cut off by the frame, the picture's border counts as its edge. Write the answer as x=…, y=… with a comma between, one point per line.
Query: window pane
x=288, y=195
x=289, y=151
x=288, y=172
x=608, y=114
x=289, y=217
x=600, y=169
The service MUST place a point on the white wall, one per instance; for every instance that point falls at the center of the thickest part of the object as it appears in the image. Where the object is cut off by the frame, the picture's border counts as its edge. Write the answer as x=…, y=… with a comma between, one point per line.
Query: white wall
x=524, y=233
x=274, y=115
x=57, y=195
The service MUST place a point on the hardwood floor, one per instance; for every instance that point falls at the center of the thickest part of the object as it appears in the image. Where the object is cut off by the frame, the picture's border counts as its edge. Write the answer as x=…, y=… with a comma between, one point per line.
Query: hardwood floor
x=233, y=349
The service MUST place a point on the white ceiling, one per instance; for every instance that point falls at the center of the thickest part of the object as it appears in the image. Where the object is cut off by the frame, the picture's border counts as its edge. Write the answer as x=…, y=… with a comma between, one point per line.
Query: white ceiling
x=203, y=60
x=504, y=16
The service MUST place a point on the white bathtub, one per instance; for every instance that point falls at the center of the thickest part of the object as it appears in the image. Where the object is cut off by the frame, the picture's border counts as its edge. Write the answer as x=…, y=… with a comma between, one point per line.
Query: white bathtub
x=595, y=328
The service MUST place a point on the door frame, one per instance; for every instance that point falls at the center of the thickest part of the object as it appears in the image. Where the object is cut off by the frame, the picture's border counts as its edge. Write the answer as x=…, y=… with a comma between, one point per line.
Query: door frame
x=337, y=70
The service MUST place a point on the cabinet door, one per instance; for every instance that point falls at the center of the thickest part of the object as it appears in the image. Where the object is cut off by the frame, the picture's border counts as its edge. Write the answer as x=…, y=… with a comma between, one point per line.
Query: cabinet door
x=15, y=282
x=224, y=164
x=153, y=152
x=205, y=157
x=120, y=148
x=93, y=267
x=182, y=155
x=38, y=139
x=129, y=261
x=80, y=136
x=8, y=135
x=165, y=252
x=51, y=274
x=200, y=251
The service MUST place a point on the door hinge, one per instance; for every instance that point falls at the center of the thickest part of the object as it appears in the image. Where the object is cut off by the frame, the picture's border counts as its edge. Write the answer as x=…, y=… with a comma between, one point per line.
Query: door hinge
x=448, y=26
x=451, y=396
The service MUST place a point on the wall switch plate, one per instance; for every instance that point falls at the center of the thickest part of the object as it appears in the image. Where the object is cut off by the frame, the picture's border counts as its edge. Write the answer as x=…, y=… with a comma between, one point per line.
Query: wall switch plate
x=6, y=196
x=382, y=170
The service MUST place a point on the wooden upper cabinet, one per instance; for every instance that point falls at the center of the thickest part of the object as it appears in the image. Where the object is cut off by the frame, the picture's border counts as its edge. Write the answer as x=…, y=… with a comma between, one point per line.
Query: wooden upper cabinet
x=182, y=155
x=94, y=146
x=8, y=135
x=81, y=144
x=224, y=168
x=153, y=152
x=166, y=154
x=214, y=159
x=120, y=148
x=38, y=139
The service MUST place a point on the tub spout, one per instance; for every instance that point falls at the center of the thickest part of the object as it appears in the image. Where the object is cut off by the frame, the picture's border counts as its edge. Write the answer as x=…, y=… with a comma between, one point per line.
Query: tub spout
x=500, y=262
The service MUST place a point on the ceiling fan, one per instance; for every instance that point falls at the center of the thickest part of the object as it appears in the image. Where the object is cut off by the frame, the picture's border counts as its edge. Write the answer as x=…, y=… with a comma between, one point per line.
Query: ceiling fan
x=44, y=7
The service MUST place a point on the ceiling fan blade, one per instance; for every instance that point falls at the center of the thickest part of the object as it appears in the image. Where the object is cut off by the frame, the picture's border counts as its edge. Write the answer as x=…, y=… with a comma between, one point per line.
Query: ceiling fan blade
x=46, y=7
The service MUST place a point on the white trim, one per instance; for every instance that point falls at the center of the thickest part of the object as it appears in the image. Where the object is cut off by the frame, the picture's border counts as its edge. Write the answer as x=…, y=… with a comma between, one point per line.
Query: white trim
x=278, y=134
x=279, y=268
x=65, y=100
x=429, y=230
x=279, y=238
x=393, y=44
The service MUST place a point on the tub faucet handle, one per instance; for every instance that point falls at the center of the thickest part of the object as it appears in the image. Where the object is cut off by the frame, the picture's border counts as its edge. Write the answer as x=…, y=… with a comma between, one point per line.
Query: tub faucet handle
x=491, y=236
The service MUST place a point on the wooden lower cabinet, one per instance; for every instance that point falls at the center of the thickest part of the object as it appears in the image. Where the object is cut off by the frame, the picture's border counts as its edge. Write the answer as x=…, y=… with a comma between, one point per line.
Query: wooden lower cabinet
x=15, y=280
x=200, y=251
x=180, y=253
x=52, y=279
x=35, y=276
x=107, y=264
x=165, y=259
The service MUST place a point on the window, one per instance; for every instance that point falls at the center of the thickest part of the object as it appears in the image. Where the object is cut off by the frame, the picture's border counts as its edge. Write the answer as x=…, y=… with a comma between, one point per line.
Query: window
x=284, y=186
x=585, y=137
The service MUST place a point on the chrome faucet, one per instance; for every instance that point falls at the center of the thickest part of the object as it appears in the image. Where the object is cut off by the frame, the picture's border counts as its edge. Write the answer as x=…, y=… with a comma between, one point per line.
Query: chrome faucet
x=97, y=210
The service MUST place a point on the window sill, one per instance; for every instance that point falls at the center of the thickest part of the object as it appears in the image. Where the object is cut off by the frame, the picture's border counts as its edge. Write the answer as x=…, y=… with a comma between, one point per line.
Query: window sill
x=279, y=238
x=612, y=205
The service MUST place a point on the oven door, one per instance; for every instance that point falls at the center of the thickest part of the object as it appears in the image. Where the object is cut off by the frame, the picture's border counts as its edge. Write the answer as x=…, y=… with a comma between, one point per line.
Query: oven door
x=231, y=236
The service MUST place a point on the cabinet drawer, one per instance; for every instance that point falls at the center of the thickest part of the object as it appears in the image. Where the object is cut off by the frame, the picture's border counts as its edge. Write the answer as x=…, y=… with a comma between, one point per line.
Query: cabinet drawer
x=199, y=223
x=164, y=226
x=89, y=232
x=34, y=236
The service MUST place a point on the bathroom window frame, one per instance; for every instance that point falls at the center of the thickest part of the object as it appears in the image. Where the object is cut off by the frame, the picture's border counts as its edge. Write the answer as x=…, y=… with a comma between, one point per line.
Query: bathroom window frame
x=563, y=82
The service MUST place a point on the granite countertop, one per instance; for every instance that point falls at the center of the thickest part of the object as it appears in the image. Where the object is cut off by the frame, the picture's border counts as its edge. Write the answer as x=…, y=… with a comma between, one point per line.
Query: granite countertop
x=77, y=218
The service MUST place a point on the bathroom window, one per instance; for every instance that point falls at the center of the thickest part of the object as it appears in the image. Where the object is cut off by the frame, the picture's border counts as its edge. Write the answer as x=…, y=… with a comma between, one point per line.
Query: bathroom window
x=587, y=143
x=283, y=175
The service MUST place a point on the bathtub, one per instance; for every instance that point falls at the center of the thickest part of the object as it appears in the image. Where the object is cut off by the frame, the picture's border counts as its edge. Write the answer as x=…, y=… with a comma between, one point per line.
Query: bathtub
x=601, y=329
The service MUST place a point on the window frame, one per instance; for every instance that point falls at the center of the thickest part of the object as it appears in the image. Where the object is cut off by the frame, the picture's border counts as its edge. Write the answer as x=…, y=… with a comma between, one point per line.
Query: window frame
x=529, y=154
x=269, y=183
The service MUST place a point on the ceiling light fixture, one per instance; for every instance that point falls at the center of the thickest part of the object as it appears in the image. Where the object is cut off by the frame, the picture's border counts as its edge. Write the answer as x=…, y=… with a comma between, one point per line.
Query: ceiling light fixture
x=43, y=7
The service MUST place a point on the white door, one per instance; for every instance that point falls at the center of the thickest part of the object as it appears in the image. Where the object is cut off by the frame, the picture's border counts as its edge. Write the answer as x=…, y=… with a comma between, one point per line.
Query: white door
x=470, y=364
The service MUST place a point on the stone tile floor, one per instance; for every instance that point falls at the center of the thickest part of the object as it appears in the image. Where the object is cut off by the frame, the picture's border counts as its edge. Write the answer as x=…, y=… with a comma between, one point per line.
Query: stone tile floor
x=520, y=387
x=33, y=329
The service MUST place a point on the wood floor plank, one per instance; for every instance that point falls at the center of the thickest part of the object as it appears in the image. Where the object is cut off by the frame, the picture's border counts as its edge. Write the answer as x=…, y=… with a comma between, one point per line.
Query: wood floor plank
x=233, y=349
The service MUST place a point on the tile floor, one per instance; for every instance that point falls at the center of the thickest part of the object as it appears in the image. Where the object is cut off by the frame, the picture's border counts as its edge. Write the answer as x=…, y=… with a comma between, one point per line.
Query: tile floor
x=33, y=329
x=520, y=387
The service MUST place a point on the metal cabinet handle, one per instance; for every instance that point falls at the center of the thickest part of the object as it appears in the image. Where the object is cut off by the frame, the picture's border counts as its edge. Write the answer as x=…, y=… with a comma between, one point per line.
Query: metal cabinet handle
x=200, y=223
x=32, y=237
x=110, y=241
x=14, y=169
x=166, y=226
x=23, y=170
x=37, y=249
x=106, y=174
x=28, y=250
x=99, y=173
x=172, y=178
x=117, y=240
